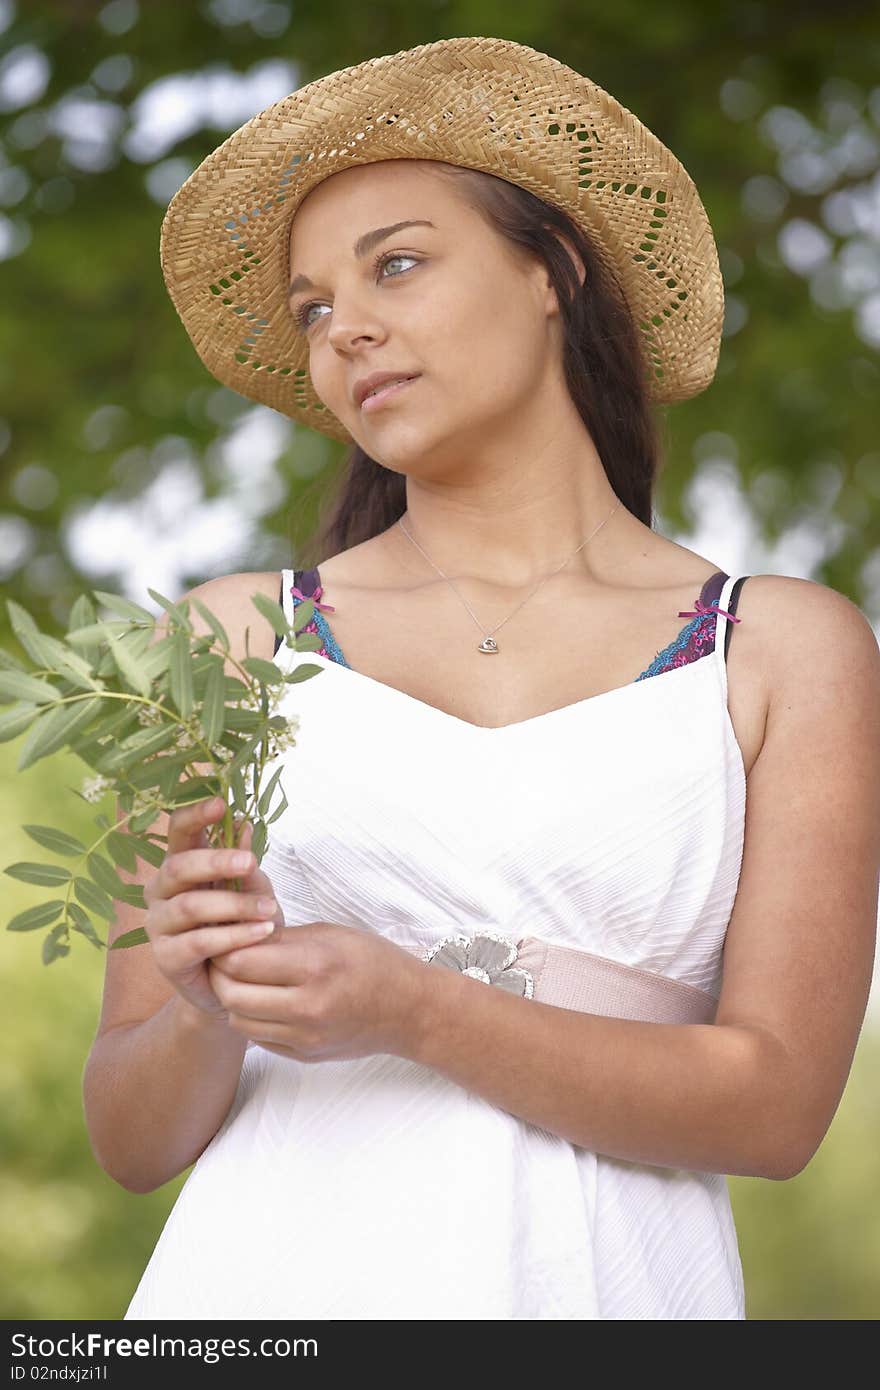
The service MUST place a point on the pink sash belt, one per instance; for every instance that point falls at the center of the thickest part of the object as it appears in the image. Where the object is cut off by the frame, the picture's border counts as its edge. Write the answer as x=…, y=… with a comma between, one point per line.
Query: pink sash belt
x=570, y=979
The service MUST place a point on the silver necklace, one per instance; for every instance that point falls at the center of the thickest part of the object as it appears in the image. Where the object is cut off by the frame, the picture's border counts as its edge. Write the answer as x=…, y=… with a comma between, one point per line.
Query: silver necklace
x=488, y=643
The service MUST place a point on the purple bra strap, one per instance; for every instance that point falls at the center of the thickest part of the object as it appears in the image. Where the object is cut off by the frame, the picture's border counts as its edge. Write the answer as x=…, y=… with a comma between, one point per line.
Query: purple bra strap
x=710, y=594
x=309, y=586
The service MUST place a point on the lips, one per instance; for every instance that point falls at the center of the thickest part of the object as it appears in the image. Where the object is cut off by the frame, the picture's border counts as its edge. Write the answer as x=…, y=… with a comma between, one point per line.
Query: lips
x=386, y=385
x=385, y=390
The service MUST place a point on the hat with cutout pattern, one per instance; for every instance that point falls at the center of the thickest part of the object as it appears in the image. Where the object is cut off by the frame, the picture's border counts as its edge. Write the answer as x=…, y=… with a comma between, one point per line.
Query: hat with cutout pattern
x=482, y=103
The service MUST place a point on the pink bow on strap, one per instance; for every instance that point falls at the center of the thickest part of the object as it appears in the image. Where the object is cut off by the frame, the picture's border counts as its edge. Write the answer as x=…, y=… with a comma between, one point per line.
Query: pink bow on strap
x=323, y=607
x=707, y=608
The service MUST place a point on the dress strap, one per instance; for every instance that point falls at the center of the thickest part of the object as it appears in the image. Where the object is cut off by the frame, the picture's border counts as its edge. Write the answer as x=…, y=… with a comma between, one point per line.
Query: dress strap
x=286, y=599
x=727, y=604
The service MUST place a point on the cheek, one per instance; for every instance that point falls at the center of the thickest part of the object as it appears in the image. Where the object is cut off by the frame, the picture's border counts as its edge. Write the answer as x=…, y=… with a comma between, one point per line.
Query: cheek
x=493, y=332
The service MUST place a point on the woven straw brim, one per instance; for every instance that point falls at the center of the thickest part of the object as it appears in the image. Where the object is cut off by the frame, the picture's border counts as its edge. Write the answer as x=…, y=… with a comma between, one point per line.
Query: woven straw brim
x=482, y=103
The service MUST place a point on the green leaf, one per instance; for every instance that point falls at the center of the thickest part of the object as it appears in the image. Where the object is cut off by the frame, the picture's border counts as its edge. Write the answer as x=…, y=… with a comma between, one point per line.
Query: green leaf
x=47, y=875
x=92, y=897
x=121, y=849
x=98, y=635
x=150, y=739
x=82, y=611
x=133, y=896
x=157, y=774
x=259, y=840
x=105, y=875
x=244, y=755
x=264, y=670
x=266, y=797
x=16, y=685
x=273, y=612
x=214, y=703
x=39, y=916
x=212, y=620
x=156, y=657
x=117, y=717
x=129, y=938
x=54, y=729
x=14, y=721
x=280, y=809
x=118, y=604
x=81, y=923
x=35, y=643
x=143, y=821
x=178, y=611
x=129, y=665
x=53, y=946
x=180, y=675
x=309, y=642
x=56, y=840
x=303, y=614
x=67, y=663
x=147, y=850
x=103, y=748
x=194, y=789
x=236, y=783
x=302, y=672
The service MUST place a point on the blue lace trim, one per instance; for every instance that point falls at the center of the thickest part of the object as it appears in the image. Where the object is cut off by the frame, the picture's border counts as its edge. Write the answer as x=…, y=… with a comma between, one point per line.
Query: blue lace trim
x=680, y=642
x=331, y=646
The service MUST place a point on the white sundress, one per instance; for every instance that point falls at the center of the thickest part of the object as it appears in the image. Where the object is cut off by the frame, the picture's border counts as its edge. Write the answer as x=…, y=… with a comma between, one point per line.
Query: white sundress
x=376, y=1188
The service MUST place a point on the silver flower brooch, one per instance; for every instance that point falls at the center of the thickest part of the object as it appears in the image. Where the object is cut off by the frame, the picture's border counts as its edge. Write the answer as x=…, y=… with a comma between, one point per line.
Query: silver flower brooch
x=485, y=956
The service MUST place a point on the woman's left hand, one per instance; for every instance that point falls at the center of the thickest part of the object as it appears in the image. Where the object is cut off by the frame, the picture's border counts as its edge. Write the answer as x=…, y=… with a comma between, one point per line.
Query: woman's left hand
x=322, y=991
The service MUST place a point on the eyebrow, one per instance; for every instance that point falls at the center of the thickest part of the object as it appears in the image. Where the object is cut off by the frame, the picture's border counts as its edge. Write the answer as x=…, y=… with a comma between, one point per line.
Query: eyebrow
x=362, y=247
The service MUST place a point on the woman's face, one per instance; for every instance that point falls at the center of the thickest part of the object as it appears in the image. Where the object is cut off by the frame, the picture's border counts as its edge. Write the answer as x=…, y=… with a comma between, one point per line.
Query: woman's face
x=453, y=302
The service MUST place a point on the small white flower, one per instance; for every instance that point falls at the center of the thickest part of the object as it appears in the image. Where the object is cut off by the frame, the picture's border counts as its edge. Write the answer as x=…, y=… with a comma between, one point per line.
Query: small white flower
x=485, y=956
x=93, y=788
x=282, y=739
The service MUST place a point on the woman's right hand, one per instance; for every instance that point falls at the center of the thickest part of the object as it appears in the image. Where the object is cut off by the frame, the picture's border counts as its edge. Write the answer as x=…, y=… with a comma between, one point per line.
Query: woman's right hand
x=191, y=916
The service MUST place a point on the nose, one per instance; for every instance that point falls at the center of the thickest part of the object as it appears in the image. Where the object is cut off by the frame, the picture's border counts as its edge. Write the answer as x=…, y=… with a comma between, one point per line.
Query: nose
x=351, y=327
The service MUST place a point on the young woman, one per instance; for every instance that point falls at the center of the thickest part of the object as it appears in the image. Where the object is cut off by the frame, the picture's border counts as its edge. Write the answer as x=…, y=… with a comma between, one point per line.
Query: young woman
x=561, y=938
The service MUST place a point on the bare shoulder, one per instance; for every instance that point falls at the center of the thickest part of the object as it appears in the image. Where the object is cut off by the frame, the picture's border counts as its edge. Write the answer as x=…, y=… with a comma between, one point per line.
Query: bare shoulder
x=821, y=669
x=813, y=634
x=230, y=598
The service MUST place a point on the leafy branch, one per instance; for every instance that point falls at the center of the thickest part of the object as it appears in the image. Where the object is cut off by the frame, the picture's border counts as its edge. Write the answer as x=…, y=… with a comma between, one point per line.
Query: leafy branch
x=141, y=713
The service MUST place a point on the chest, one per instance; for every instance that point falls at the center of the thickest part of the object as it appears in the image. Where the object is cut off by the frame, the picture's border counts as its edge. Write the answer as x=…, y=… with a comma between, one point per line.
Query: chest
x=550, y=656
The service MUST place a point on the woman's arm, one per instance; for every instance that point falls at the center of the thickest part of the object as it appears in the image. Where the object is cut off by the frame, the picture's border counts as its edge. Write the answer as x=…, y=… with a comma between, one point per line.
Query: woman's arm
x=677, y=1095
x=156, y=1092
x=755, y=1092
x=161, y=1076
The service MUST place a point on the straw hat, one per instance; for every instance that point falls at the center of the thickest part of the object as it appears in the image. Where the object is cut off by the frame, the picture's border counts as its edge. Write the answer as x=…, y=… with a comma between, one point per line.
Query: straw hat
x=482, y=103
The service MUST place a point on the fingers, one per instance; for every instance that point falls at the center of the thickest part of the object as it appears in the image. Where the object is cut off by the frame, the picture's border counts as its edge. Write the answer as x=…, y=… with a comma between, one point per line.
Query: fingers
x=190, y=860
x=203, y=908
x=186, y=824
x=201, y=943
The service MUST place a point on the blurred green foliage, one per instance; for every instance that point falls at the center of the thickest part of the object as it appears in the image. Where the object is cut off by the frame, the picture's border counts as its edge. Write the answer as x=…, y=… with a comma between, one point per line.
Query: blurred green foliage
x=773, y=109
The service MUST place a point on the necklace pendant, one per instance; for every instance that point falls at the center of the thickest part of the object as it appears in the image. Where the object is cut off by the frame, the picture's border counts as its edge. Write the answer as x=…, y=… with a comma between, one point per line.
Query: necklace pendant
x=488, y=644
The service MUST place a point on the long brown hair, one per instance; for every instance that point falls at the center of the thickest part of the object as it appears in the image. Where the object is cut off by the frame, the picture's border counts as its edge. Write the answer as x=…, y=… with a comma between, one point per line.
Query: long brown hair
x=602, y=358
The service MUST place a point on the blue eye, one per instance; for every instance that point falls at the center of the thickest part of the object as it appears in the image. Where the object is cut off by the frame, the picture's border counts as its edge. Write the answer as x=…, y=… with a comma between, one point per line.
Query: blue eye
x=304, y=324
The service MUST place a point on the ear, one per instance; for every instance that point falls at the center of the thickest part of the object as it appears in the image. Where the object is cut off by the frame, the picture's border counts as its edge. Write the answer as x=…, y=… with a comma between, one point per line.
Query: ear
x=546, y=282
x=573, y=253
